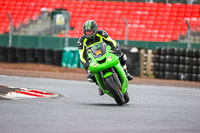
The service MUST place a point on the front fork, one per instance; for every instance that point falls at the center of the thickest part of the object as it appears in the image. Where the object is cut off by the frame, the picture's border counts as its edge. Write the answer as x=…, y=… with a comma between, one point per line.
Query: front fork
x=99, y=80
x=100, y=77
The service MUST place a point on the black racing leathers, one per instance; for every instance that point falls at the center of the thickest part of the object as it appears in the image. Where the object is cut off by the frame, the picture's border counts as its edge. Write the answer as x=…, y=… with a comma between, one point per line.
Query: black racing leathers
x=85, y=43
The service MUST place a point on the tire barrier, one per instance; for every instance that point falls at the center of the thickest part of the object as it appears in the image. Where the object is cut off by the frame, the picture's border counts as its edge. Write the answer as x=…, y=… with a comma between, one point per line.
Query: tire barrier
x=39, y=55
x=21, y=55
x=57, y=57
x=177, y=64
x=11, y=54
x=49, y=57
x=31, y=55
x=3, y=54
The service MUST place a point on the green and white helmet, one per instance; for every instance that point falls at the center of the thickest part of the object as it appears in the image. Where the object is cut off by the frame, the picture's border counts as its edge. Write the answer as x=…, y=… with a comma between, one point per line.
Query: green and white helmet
x=90, y=25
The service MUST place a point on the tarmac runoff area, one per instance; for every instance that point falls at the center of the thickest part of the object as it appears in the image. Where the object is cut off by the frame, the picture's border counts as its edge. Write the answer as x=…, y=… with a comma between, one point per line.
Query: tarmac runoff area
x=14, y=93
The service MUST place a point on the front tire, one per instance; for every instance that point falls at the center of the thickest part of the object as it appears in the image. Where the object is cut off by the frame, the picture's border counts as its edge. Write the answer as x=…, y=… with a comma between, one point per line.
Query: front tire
x=118, y=84
x=115, y=90
x=126, y=97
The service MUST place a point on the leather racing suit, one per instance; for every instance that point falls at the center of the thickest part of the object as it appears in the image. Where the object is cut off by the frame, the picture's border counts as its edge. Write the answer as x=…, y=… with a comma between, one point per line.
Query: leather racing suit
x=101, y=36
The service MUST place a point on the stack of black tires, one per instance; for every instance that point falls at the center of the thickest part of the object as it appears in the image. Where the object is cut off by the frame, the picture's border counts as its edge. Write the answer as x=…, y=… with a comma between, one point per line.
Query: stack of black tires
x=177, y=64
x=3, y=54
x=30, y=55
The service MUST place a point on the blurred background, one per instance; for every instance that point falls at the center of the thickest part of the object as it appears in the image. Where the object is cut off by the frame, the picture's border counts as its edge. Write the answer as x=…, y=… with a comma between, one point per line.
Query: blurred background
x=145, y=24
x=148, y=20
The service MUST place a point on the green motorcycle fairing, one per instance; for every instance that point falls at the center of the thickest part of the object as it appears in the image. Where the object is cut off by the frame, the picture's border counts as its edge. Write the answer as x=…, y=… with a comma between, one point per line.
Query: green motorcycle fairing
x=103, y=60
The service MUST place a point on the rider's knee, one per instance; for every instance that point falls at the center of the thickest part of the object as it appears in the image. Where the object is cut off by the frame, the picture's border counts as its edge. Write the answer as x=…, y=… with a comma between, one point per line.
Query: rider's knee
x=123, y=59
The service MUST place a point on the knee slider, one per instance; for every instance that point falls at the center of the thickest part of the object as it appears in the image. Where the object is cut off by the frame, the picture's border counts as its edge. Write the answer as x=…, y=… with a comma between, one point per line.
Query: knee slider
x=123, y=59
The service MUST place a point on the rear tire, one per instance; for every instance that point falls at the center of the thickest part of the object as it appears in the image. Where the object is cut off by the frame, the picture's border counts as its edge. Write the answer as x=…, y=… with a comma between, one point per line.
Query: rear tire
x=115, y=91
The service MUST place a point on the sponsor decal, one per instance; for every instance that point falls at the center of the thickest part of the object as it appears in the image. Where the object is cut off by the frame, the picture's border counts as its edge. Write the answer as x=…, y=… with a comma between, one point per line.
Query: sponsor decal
x=98, y=52
x=109, y=58
x=60, y=19
x=95, y=65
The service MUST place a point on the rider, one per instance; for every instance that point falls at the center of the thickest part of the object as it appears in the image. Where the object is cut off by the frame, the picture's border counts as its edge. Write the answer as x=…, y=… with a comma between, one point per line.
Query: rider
x=92, y=36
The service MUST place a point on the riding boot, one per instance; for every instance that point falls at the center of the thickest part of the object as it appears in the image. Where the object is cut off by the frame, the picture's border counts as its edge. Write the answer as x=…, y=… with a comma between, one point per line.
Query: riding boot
x=91, y=79
x=101, y=93
x=128, y=75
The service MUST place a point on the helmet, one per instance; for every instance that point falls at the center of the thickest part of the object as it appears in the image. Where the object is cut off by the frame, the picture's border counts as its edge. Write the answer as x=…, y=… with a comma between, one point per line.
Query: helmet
x=90, y=25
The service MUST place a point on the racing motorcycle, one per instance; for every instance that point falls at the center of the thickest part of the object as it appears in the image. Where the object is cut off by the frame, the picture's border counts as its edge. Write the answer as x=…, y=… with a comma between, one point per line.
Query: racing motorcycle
x=108, y=72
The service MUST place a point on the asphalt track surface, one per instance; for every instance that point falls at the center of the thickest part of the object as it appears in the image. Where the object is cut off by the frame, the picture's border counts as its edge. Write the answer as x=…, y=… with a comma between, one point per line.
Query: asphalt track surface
x=152, y=109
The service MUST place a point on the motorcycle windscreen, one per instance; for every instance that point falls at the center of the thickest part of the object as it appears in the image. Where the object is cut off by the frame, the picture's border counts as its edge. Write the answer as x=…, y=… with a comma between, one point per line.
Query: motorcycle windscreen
x=98, y=50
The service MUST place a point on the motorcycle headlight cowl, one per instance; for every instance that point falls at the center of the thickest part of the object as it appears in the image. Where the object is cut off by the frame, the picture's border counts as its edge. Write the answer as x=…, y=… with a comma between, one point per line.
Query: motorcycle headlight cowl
x=102, y=61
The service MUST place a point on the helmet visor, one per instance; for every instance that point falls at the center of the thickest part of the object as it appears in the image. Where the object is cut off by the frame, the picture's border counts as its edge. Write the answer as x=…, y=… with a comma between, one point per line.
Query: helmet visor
x=89, y=32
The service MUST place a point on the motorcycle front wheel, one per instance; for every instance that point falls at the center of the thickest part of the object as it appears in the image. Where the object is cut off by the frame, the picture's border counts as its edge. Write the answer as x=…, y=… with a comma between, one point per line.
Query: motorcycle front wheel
x=115, y=90
x=126, y=97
